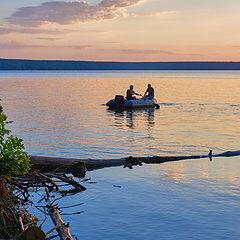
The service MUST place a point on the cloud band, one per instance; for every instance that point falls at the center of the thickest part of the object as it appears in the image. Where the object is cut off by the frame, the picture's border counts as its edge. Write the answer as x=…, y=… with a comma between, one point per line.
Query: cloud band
x=70, y=12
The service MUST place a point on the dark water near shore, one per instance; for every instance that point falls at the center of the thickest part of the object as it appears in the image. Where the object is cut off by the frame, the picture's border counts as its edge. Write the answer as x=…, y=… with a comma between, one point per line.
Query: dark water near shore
x=61, y=114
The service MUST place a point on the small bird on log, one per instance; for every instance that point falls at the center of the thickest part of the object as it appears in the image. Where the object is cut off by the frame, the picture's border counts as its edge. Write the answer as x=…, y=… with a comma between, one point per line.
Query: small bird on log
x=210, y=155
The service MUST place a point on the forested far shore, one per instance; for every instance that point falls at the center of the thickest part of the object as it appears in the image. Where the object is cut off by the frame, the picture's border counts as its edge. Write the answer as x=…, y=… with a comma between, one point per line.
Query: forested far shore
x=24, y=64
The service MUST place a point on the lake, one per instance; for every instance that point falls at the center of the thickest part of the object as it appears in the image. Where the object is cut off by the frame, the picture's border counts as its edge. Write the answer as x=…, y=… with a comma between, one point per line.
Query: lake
x=62, y=113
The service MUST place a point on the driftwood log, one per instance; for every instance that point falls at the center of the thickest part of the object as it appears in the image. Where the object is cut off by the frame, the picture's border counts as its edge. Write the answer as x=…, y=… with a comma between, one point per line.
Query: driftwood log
x=61, y=227
x=52, y=163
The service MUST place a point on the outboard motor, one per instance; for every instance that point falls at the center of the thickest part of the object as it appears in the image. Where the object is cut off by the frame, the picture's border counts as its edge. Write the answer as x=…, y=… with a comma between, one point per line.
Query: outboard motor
x=119, y=100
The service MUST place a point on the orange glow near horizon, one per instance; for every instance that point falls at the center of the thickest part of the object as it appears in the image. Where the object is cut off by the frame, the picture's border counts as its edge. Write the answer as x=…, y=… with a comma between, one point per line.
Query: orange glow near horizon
x=132, y=30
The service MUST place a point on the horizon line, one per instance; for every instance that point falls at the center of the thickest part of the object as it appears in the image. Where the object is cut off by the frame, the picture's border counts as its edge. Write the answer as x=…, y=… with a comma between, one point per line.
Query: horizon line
x=115, y=61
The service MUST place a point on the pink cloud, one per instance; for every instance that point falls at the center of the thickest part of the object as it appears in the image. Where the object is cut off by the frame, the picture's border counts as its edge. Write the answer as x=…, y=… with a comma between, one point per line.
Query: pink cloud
x=70, y=12
x=4, y=30
x=147, y=51
x=21, y=45
x=9, y=30
x=17, y=45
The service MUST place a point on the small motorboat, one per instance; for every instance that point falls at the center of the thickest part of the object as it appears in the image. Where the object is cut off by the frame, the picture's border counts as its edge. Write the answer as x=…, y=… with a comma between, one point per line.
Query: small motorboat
x=119, y=102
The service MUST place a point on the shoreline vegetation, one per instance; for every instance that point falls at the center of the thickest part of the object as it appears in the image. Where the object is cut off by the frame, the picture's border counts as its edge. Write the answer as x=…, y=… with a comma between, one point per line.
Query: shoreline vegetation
x=18, y=180
x=27, y=64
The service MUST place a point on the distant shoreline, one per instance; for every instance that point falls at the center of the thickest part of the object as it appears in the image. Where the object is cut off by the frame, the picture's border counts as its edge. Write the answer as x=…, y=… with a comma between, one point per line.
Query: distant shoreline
x=24, y=64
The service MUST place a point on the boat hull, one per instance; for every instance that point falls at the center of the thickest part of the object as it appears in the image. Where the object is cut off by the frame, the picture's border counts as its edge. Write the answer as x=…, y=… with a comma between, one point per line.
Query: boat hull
x=139, y=103
x=135, y=103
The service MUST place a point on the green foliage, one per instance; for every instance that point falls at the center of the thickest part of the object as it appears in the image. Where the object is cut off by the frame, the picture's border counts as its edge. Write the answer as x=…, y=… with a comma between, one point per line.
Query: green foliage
x=13, y=160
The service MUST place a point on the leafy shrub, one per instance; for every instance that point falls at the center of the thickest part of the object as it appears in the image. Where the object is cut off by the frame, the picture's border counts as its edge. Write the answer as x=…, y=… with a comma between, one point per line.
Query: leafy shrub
x=13, y=159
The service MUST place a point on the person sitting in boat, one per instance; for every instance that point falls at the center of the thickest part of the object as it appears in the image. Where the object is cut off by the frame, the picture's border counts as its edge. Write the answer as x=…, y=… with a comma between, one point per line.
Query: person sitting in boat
x=150, y=92
x=130, y=93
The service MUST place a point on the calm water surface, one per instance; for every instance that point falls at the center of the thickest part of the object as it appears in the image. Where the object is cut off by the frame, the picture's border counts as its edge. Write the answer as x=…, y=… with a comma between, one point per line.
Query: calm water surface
x=62, y=114
x=193, y=199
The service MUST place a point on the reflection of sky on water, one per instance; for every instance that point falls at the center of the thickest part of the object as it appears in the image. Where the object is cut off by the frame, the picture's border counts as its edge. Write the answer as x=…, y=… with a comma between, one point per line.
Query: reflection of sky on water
x=65, y=115
x=192, y=199
x=220, y=175
x=198, y=197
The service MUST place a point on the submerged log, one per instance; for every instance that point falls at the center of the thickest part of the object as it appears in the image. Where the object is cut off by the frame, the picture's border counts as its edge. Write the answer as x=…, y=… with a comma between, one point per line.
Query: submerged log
x=52, y=163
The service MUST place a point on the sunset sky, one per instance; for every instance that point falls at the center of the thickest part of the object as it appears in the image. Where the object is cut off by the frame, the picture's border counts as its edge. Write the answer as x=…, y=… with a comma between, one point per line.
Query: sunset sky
x=121, y=30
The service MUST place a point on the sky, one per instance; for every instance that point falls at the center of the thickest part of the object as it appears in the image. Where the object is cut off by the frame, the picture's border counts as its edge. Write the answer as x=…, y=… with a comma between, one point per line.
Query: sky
x=120, y=30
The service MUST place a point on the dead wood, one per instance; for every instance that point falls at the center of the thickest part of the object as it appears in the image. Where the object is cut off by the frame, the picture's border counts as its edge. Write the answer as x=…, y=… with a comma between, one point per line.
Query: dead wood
x=48, y=179
x=69, y=180
x=66, y=164
x=62, y=228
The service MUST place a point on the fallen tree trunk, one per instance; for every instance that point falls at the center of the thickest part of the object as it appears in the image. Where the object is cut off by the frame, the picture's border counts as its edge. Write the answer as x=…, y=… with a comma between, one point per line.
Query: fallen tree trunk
x=52, y=163
x=61, y=227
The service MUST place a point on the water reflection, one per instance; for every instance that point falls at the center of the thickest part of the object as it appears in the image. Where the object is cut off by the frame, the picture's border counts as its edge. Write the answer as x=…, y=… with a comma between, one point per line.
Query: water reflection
x=63, y=116
x=133, y=118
